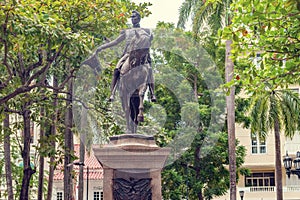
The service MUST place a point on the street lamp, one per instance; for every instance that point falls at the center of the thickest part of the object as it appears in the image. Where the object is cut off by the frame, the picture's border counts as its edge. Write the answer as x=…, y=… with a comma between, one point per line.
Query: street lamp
x=242, y=194
x=87, y=177
x=287, y=161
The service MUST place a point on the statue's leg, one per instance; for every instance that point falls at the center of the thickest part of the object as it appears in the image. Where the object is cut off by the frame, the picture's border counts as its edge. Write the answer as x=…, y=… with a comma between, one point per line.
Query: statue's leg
x=116, y=76
x=129, y=121
x=140, y=116
x=134, y=111
x=113, y=86
x=142, y=89
x=151, y=85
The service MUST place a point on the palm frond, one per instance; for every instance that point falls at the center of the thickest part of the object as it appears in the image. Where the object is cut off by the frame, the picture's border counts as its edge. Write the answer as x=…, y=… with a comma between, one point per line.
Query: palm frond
x=259, y=115
x=277, y=106
x=290, y=105
x=217, y=19
x=185, y=11
x=274, y=112
x=264, y=117
x=210, y=15
x=201, y=16
x=255, y=114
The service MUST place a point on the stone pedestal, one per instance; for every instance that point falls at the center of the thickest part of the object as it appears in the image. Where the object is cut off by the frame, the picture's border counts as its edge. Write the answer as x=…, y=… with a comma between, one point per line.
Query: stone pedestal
x=132, y=167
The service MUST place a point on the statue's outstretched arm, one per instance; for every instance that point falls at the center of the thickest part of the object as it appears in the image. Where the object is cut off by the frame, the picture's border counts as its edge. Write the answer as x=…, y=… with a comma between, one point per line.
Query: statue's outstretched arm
x=116, y=41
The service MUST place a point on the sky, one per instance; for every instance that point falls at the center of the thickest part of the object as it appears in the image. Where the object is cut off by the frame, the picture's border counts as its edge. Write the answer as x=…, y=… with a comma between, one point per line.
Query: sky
x=162, y=10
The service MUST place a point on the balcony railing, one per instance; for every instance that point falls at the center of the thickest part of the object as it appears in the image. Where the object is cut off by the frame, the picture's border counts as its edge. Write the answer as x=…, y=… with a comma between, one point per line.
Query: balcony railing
x=294, y=188
x=262, y=189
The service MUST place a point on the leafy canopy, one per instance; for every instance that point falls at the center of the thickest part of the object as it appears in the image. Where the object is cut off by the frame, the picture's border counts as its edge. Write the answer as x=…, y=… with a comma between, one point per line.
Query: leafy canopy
x=268, y=30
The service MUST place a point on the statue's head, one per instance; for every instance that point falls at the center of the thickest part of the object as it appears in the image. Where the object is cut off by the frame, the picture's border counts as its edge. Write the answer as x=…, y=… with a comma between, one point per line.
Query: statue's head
x=135, y=18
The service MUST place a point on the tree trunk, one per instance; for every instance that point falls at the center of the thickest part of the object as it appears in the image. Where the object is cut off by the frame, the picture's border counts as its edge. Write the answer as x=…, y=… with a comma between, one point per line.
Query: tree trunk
x=69, y=147
x=80, y=184
x=83, y=127
x=7, y=158
x=52, y=132
x=197, y=162
x=199, y=194
x=195, y=88
x=278, y=169
x=41, y=161
x=230, y=104
x=27, y=170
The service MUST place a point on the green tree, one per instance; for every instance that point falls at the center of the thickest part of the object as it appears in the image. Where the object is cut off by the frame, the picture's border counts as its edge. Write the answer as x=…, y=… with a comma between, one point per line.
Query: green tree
x=38, y=38
x=275, y=110
x=189, y=71
x=266, y=37
x=211, y=14
x=12, y=152
x=201, y=178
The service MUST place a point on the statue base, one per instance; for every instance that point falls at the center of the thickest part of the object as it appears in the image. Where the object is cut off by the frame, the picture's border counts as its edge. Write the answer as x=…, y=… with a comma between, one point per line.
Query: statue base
x=132, y=167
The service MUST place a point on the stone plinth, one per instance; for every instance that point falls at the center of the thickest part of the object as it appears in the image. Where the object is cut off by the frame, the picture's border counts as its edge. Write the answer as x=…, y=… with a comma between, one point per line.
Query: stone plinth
x=132, y=167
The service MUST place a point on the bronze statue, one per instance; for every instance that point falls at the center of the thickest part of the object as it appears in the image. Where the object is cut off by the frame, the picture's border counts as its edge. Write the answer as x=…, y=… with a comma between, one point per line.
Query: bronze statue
x=128, y=35
x=133, y=71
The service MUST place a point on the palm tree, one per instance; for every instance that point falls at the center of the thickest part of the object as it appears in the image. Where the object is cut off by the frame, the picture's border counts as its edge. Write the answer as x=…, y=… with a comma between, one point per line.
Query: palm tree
x=276, y=110
x=215, y=16
x=203, y=15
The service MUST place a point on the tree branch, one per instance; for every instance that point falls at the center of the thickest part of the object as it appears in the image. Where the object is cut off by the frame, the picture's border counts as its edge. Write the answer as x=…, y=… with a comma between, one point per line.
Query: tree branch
x=21, y=72
x=62, y=85
x=38, y=63
x=20, y=90
x=8, y=68
x=46, y=67
x=84, y=104
x=8, y=110
x=282, y=59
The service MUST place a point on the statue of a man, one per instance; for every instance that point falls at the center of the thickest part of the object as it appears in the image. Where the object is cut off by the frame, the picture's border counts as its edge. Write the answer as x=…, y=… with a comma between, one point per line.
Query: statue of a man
x=128, y=35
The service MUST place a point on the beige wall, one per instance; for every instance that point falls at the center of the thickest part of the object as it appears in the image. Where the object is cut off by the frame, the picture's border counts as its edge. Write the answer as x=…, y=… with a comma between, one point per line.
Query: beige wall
x=94, y=186
x=266, y=163
x=252, y=160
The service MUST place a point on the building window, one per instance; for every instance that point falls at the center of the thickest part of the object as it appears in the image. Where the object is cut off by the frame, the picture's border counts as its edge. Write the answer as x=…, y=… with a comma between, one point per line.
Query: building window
x=59, y=196
x=260, y=179
x=257, y=60
x=258, y=144
x=98, y=195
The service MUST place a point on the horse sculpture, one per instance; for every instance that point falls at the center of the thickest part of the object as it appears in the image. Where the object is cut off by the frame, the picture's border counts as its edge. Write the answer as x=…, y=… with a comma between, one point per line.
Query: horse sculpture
x=134, y=80
x=134, y=77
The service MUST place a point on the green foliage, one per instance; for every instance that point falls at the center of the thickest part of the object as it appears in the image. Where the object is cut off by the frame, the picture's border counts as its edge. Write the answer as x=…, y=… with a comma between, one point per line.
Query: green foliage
x=40, y=40
x=200, y=170
x=173, y=187
x=44, y=36
x=207, y=16
x=242, y=106
x=191, y=175
x=270, y=29
x=16, y=162
x=275, y=110
x=275, y=106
